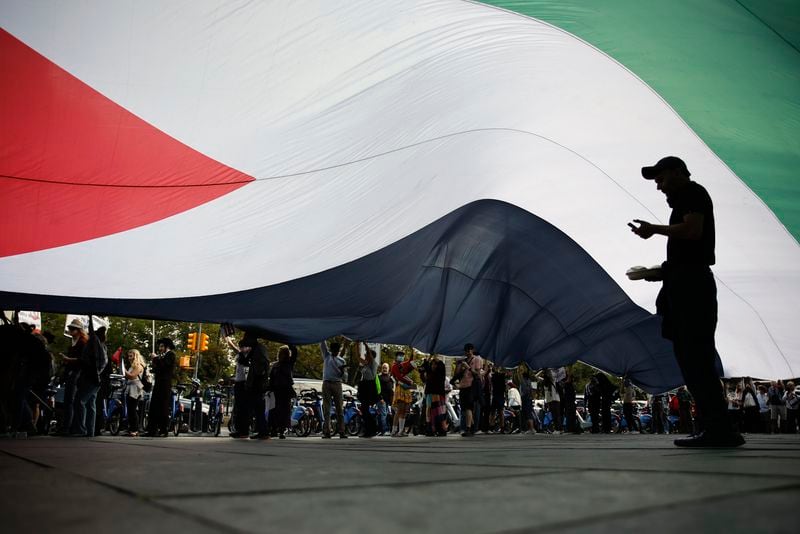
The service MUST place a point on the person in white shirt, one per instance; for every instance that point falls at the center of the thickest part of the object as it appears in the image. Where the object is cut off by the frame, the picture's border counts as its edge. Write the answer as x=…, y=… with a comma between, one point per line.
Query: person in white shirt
x=763, y=408
x=553, y=400
x=514, y=398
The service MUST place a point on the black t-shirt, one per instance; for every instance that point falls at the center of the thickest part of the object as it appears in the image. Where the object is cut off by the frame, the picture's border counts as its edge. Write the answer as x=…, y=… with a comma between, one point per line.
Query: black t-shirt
x=387, y=388
x=434, y=383
x=498, y=383
x=693, y=198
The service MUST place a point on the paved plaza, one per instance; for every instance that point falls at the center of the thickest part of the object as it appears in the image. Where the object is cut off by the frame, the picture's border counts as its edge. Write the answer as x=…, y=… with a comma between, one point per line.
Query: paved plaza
x=553, y=483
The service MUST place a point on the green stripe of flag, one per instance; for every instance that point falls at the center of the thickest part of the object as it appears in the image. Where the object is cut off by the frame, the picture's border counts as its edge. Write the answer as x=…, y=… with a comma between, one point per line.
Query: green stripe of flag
x=730, y=69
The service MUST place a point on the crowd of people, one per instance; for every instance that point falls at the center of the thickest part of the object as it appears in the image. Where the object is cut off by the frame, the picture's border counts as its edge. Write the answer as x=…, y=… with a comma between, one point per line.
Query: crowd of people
x=263, y=393
x=764, y=408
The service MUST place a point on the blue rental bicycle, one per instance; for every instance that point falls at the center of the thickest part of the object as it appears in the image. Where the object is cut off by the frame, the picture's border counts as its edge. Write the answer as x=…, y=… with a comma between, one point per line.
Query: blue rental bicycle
x=176, y=412
x=215, y=407
x=115, y=411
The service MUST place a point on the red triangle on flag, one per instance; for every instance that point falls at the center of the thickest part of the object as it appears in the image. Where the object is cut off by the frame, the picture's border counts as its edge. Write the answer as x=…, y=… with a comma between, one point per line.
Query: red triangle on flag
x=74, y=165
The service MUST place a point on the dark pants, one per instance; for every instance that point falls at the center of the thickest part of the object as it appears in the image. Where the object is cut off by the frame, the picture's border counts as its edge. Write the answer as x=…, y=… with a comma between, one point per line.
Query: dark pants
x=765, y=422
x=555, y=412
x=100, y=406
x=688, y=304
x=737, y=419
x=526, y=413
x=158, y=419
x=241, y=410
x=594, y=414
x=368, y=396
x=752, y=421
x=255, y=398
x=133, y=413
x=570, y=416
x=283, y=410
x=478, y=413
x=685, y=413
x=627, y=412
x=605, y=412
x=658, y=418
x=70, y=390
x=482, y=416
x=792, y=421
x=86, y=408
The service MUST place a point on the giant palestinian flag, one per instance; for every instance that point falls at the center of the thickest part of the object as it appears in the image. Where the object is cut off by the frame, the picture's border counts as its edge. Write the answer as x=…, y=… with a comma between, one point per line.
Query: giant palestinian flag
x=419, y=172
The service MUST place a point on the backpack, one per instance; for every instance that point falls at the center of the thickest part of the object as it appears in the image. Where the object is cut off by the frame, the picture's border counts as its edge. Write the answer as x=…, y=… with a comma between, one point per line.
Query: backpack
x=147, y=380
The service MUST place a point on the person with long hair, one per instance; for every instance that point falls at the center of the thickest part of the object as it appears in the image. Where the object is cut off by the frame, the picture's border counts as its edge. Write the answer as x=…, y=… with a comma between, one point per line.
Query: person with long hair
x=552, y=399
x=435, y=396
x=750, y=407
x=133, y=389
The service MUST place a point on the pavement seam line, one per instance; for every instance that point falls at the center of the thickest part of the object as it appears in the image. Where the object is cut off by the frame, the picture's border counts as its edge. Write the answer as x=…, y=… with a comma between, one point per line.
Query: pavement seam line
x=222, y=527
x=34, y=462
x=147, y=444
x=325, y=489
x=561, y=525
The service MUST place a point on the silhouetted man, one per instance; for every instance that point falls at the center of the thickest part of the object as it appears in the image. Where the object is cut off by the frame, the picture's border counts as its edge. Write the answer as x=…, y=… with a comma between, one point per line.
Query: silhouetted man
x=687, y=301
x=163, y=365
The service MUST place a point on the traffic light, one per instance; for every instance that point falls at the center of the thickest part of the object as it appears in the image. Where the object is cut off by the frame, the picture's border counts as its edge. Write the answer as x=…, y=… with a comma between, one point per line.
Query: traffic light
x=203, y=342
x=192, y=346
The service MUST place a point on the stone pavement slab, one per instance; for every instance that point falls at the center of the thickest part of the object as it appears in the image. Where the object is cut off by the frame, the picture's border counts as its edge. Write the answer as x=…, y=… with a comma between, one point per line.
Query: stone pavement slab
x=484, y=484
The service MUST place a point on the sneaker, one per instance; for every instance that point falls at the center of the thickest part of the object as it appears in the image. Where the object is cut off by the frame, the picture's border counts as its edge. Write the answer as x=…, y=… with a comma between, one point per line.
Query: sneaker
x=727, y=440
x=282, y=435
x=326, y=436
x=342, y=436
x=234, y=435
x=467, y=434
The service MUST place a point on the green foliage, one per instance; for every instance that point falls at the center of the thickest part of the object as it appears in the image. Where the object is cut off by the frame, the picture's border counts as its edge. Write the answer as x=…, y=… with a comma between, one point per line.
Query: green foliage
x=216, y=363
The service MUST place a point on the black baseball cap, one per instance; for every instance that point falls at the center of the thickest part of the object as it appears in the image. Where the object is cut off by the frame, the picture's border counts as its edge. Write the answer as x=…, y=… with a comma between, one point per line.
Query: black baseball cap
x=670, y=162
